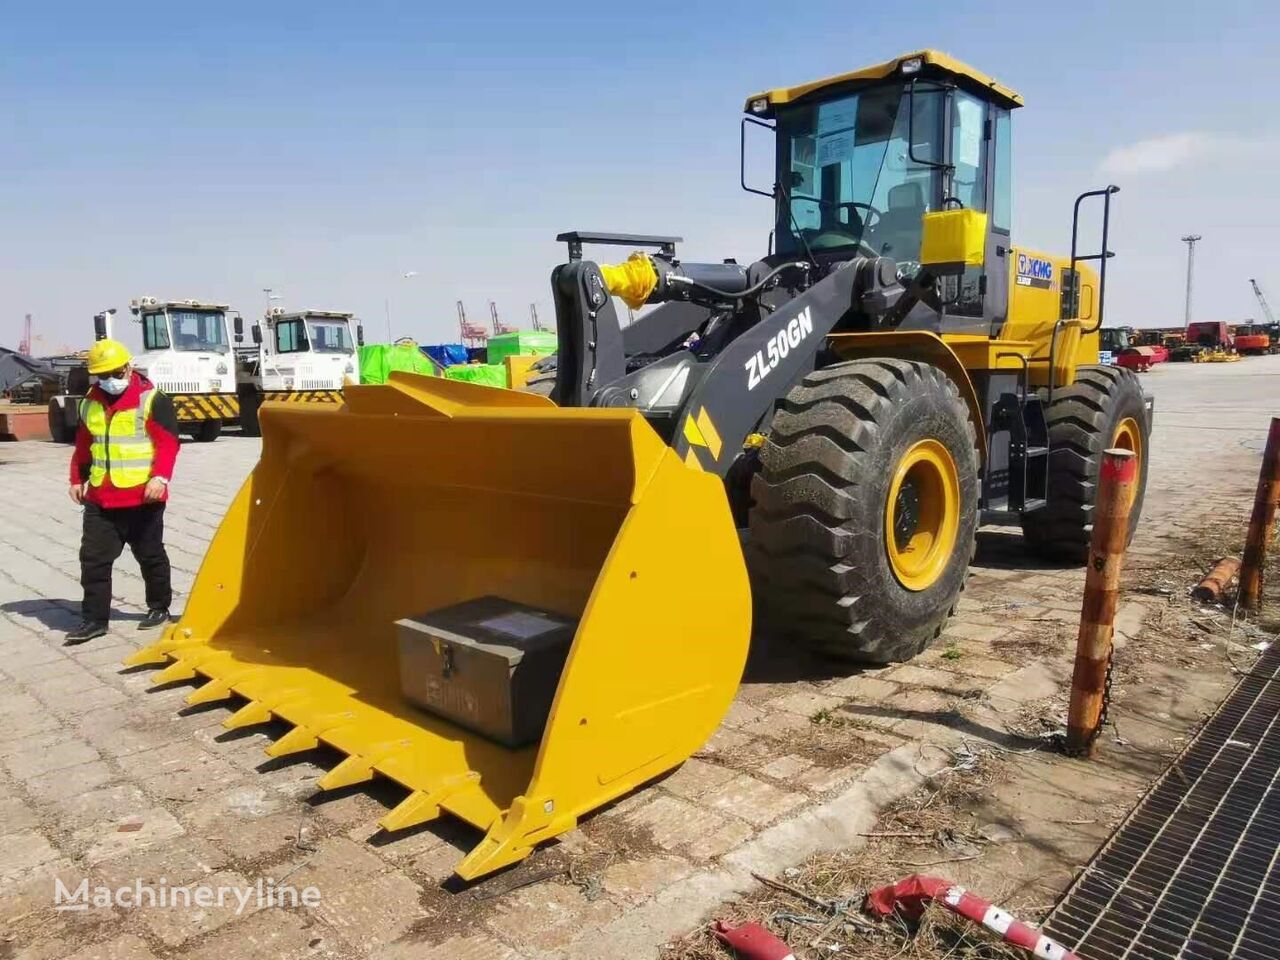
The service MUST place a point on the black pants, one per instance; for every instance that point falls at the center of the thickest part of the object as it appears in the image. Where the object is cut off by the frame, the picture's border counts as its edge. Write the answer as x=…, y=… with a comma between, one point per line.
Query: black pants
x=105, y=534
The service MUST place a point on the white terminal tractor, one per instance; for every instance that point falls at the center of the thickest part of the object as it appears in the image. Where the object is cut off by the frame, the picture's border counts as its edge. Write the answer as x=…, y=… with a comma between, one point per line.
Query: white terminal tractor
x=302, y=356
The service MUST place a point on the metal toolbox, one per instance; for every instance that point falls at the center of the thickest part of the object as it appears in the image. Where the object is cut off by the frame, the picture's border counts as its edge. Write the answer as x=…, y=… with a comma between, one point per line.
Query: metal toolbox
x=490, y=665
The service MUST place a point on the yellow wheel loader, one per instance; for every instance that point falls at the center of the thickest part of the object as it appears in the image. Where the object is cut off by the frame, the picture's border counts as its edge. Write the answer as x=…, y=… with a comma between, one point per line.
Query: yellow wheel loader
x=521, y=607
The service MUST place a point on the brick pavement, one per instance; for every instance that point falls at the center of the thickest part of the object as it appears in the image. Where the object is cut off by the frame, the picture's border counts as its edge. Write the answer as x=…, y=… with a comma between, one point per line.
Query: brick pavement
x=101, y=779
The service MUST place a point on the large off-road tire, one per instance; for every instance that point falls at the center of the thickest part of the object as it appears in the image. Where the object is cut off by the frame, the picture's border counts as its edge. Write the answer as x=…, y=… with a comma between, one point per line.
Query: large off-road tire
x=854, y=451
x=1103, y=408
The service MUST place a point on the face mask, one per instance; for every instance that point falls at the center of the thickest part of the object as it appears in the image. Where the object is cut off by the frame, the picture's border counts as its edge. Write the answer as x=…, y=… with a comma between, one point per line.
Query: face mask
x=114, y=385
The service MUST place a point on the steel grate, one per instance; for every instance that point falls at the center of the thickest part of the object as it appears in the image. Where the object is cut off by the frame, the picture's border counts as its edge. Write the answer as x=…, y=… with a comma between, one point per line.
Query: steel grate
x=1194, y=872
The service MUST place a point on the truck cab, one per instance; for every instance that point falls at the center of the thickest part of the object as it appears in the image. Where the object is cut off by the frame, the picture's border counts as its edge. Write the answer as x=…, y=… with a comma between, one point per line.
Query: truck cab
x=1112, y=340
x=187, y=353
x=1212, y=335
x=301, y=356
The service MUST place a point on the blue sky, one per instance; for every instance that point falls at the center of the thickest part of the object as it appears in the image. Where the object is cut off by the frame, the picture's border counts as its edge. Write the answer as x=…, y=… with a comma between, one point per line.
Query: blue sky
x=324, y=150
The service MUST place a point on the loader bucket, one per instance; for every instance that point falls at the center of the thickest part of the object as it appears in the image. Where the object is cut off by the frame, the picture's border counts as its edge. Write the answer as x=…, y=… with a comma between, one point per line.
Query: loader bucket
x=421, y=493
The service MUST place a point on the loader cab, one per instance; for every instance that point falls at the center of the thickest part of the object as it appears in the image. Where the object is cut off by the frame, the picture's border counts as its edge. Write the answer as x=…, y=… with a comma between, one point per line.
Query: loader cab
x=862, y=157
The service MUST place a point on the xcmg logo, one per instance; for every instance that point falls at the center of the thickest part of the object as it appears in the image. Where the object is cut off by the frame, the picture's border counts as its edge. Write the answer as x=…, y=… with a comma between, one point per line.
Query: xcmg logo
x=1034, y=271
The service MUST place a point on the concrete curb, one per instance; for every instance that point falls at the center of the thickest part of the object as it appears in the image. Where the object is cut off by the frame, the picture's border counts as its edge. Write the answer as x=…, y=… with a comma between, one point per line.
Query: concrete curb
x=836, y=824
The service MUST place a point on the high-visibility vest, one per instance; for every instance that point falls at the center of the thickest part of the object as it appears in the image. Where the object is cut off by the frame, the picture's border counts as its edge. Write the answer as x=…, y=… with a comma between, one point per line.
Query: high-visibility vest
x=121, y=447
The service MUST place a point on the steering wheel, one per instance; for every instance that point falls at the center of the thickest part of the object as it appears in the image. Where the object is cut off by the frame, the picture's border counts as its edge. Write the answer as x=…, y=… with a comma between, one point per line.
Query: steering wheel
x=852, y=205
x=836, y=236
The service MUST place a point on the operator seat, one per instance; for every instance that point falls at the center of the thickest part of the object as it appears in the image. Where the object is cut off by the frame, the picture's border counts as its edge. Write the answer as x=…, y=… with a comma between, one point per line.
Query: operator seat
x=897, y=233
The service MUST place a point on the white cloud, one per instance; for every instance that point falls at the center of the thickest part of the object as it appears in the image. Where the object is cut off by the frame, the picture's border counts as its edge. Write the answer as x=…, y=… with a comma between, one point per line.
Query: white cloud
x=1161, y=154
x=1185, y=149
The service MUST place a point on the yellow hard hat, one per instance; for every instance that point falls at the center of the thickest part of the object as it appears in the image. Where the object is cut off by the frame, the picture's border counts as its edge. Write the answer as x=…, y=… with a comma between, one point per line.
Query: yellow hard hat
x=108, y=355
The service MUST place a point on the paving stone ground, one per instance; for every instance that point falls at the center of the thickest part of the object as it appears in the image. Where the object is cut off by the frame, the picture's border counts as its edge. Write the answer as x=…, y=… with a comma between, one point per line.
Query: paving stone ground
x=104, y=780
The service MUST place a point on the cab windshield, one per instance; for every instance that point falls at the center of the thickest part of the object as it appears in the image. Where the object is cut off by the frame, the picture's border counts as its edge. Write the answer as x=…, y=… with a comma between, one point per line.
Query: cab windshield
x=196, y=330
x=330, y=336
x=1114, y=339
x=847, y=177
x=199, y=330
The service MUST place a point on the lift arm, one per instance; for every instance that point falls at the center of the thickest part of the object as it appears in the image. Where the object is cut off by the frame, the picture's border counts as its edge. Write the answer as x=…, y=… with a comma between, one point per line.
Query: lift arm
x=752, y=339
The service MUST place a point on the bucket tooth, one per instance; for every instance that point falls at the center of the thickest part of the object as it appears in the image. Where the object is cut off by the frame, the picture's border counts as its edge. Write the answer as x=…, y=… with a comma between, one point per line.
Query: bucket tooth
x=249, y=715
x=178, y=670
x=527, y=823
x=350, y=771
x=359, y=767
x=418, y=807
x=295, y=741
x=211, y=692
x=423, y=806
x=153, y=653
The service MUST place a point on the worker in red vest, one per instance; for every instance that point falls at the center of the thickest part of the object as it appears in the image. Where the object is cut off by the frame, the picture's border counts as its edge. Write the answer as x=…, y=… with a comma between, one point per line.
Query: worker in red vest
x=126, y=446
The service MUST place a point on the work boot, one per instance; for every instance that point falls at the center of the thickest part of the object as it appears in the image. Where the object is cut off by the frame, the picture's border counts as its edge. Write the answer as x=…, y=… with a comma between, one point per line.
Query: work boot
x=88, y=630
x=153, y=619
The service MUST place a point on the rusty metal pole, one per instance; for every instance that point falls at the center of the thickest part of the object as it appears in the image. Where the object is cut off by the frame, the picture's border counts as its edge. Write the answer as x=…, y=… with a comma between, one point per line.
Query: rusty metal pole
x=1116, y=479
x=1262, y=522
x=1209, y=590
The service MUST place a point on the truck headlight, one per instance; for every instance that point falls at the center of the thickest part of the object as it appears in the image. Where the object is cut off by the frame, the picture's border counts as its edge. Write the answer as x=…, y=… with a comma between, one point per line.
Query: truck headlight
x=349, y=368
x=221, y=370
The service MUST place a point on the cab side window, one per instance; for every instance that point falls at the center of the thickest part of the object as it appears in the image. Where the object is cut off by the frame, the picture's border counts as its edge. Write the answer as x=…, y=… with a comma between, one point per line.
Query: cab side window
x=155, y=331
x=290, y=336
x=1001, y=202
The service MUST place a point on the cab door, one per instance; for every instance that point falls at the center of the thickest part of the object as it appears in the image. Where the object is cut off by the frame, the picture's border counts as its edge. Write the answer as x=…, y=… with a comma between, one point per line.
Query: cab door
x=969, y=298
x=999, y=256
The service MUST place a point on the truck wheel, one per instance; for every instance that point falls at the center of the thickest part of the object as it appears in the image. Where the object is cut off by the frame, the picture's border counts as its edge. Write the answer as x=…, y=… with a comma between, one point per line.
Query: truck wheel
x=208, y=431
x=250, y=401
x=1104, y=408
x=866, y=507
x=59, y=430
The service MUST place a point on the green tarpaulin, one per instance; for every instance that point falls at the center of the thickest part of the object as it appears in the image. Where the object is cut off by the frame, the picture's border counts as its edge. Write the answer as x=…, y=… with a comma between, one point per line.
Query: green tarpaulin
x=536, y=342
x=379, y=359
x=488, y=374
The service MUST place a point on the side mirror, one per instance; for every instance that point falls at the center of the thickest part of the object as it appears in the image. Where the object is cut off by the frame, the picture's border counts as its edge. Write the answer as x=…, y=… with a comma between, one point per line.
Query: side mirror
x=99, y=326
x=772, y=192
x=256, y=332
x=237, y=323
x=360, y=334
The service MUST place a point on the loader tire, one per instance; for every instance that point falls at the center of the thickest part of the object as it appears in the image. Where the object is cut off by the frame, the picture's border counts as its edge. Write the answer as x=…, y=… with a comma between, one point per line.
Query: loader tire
x=1103, y=408
x=866, y=509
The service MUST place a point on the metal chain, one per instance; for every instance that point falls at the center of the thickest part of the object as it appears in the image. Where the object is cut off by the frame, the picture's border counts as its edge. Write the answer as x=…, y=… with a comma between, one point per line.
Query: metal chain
x=1106, y=698
x=1060, y=738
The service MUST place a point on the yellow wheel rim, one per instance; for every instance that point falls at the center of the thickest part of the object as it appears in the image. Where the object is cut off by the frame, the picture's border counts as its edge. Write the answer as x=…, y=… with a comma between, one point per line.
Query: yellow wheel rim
x=1128, y=436
x=922, y=514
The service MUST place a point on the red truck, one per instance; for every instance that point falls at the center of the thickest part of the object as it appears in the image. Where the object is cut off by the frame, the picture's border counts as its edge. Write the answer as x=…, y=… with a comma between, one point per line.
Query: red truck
x=1210, y=335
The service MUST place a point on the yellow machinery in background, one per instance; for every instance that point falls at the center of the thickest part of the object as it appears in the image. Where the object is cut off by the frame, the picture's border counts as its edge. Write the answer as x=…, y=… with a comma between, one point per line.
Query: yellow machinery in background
x=851, y=407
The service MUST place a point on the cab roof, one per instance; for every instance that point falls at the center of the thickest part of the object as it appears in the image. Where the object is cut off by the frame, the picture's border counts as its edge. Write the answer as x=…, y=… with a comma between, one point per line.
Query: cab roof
x=935, y=65
x=312, y=314
x=150, y=305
